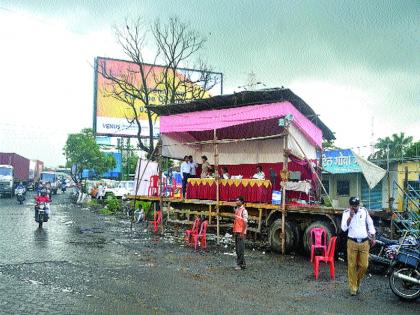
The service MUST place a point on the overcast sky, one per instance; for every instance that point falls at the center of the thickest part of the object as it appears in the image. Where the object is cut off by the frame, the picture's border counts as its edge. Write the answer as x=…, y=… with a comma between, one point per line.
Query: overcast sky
x=356, y=63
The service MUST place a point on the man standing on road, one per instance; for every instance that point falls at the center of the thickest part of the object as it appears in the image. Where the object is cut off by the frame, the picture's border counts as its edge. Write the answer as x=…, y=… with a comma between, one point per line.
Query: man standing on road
x=360, y=228
x=239, y=232
x=185, y=171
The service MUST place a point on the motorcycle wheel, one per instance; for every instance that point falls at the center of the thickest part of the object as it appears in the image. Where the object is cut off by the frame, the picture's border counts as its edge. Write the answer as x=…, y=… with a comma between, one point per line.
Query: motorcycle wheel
x=404, y=289
x=40, y=221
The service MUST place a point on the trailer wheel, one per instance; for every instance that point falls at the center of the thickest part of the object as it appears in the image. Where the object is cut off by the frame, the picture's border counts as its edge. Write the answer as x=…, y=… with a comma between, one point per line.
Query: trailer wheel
x=307, y=240
x=274, y=236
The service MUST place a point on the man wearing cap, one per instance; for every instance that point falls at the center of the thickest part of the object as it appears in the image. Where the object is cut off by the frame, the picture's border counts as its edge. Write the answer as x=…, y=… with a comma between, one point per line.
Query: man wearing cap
x=360, y=228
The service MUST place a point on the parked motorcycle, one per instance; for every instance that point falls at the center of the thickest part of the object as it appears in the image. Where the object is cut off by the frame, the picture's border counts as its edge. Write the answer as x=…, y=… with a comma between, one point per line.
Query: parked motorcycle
x=20, y=194
x=384, y=252
x=42, y=210
x=405, y=274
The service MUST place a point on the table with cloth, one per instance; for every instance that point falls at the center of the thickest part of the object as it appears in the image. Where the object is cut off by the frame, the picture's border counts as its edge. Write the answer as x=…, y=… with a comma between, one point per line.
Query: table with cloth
x=253, y=190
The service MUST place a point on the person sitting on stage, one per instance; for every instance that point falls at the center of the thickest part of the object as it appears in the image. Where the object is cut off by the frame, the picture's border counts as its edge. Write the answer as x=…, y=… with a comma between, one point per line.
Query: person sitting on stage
x=225, y=173
x=259, y=174
x=210, y=172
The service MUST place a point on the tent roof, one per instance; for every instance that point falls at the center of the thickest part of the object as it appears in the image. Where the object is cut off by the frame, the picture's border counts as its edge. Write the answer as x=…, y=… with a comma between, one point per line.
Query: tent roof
x=246, y=98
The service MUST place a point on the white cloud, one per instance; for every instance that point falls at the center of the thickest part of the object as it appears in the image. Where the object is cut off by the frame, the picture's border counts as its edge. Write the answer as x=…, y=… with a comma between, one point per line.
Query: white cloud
x=47, y=79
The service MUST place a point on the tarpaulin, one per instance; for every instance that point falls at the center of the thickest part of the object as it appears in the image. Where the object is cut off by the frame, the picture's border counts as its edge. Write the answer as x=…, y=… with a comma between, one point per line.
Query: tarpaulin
x=207, y=120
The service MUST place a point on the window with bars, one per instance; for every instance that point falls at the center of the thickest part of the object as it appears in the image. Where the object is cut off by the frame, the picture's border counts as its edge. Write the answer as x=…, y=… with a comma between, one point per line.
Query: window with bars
x=343, y=188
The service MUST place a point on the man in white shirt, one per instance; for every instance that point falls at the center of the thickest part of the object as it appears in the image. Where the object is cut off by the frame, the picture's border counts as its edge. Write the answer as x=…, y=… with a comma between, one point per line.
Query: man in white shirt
x=193, y=166
x=185, y=171
x=259, y=174
x=360, y=228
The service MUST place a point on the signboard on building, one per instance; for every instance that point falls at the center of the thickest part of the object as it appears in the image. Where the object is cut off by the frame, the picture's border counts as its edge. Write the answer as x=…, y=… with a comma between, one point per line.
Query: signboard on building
x=112, y=115
x=340, y=162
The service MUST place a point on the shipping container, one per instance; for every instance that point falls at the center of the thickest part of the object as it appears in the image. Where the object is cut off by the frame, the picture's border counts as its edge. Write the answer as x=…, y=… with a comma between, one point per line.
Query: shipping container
x=19, y=163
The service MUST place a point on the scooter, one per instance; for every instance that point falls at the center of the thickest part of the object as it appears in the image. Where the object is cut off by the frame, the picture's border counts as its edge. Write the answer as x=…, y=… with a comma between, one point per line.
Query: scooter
x=20, y=195
x=42, y=210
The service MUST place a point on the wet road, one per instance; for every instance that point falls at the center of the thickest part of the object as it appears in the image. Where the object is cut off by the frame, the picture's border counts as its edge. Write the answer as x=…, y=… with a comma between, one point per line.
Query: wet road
x=84, y=263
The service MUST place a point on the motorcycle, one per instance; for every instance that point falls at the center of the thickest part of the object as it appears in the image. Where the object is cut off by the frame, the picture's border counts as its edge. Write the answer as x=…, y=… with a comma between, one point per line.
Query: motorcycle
x=42, y=213
x=20, y=195
x=63, y=187
x=404, y=280
x=384, y=252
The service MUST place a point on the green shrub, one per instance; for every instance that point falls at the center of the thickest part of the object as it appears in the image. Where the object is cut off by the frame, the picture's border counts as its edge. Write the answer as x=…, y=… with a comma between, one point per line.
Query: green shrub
x=112, y=204
x=92, y=203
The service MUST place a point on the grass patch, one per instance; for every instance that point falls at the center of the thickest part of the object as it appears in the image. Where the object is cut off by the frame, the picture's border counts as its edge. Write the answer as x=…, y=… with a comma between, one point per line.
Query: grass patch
x=105, y=211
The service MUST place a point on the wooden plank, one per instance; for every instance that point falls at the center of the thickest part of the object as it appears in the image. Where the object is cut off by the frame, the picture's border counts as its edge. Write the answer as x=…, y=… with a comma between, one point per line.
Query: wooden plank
x=290, y=208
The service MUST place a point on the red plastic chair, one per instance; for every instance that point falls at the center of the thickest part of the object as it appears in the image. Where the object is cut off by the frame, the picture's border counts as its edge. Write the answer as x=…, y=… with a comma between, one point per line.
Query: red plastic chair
x=319, y=240
x=192, y=231
x=328, y=258
x=201, y=236
x=153, y=189
x=157, y=218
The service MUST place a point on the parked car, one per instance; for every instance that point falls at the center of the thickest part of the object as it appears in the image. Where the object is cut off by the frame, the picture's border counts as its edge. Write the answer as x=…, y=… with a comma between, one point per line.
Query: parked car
x=123, y=189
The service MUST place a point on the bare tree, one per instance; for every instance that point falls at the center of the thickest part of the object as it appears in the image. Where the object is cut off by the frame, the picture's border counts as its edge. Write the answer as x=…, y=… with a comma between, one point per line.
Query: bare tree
x=175, y=46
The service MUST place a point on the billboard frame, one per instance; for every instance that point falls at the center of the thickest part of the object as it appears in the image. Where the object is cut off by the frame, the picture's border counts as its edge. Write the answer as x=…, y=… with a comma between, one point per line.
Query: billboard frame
x=95, y=92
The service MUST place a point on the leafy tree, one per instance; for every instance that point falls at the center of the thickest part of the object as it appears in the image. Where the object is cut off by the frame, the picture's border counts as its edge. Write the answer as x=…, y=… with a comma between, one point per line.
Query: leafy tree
x=329, y=145
x=81, y=149
x=414, y=150
x=397, y=145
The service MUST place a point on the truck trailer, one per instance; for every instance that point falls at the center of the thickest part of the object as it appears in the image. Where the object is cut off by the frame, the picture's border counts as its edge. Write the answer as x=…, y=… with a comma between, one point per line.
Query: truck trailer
x=272, y=129
x=14, y=168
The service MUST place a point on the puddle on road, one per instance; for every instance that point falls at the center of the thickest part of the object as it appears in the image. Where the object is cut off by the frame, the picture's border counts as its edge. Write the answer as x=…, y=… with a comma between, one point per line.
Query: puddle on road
x=93, y=230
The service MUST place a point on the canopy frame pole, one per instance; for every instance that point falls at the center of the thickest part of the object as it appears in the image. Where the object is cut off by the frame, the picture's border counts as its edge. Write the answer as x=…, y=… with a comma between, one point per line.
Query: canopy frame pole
x=216, y=176
x=160, y=165
x=283, y=199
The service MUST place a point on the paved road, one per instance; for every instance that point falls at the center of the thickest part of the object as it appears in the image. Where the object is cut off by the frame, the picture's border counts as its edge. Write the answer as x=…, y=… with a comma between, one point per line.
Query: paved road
x=83, y=263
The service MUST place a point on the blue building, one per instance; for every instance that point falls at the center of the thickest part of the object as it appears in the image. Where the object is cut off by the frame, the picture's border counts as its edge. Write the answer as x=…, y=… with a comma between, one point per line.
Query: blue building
x=346, y=174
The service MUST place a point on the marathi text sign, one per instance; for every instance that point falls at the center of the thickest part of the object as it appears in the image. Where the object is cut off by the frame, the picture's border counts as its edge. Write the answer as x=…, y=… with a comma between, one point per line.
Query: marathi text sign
x=340, y=162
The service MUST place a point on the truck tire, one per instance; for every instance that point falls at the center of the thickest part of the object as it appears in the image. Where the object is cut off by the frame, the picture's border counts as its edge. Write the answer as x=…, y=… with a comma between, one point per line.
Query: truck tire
x=307, y=241
x=291, y=237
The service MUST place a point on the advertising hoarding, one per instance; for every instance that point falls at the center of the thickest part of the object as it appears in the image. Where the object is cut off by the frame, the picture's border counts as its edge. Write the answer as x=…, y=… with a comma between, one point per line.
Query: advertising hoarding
x=112, y=115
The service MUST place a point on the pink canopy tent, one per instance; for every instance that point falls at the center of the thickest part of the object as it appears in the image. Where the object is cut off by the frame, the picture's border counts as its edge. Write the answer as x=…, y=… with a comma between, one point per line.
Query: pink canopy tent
x=254, y=121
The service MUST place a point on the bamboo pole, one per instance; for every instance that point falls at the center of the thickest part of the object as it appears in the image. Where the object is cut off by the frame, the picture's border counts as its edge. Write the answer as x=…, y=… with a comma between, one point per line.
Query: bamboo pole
x=283, y=197
x=160, y=165
x=216, y=175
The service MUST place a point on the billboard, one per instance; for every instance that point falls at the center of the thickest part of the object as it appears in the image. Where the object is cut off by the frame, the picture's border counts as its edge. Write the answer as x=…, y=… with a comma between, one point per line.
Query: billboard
x=115, y=108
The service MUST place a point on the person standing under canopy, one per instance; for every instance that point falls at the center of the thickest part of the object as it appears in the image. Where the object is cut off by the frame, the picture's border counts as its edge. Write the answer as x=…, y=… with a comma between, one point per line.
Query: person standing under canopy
x=204, y=167
x=185, y=171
